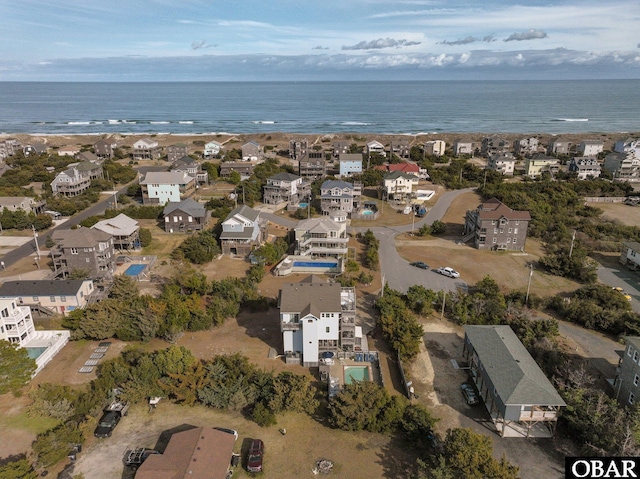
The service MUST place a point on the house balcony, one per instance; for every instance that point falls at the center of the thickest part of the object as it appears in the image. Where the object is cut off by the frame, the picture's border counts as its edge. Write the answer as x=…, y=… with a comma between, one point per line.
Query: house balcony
x=539, y=414
x=291, y=326
x=323, y=250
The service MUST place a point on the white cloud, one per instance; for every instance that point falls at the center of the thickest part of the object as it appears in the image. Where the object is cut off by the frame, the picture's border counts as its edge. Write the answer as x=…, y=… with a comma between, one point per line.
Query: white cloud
x=380, y=43
x=528, y=35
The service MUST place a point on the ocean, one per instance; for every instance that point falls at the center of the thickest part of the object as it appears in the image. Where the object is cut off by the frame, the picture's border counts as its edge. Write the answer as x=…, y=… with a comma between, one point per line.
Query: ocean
x=554, y=107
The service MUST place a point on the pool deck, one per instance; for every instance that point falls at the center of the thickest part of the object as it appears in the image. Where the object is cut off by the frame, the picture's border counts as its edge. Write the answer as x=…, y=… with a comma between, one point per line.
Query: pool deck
x=336, y=370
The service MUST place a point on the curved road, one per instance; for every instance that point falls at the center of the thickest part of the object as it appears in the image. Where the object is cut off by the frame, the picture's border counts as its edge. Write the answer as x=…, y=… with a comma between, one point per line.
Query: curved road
x=397, y=271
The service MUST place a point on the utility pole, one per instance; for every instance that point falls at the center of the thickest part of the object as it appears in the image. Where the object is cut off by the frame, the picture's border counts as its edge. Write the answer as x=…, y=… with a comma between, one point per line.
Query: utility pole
x=115, y=195
x=35, y=238
x=444, y=300
x=526, y=299
x=413, y=220
x=572, y=240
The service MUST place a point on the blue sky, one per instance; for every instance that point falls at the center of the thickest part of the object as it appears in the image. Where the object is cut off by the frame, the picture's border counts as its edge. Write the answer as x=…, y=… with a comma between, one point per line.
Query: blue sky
x=200, y=40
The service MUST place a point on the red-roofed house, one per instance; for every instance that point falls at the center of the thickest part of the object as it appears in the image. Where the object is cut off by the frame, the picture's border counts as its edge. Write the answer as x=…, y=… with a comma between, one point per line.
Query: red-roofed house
x=409, y=168
x=493, y=225
x=199, y=453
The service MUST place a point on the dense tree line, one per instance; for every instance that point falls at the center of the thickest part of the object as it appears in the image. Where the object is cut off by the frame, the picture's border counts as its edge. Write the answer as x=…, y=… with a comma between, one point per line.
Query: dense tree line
x=371, y=255
x=21, y=220
x=188, y=302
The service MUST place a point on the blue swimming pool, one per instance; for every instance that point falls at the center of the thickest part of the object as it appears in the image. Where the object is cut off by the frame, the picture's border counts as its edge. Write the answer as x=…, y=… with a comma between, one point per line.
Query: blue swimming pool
x=309, y=264
x=135, y=269
x=303, y=205
x=367, y=212
x=34, y=353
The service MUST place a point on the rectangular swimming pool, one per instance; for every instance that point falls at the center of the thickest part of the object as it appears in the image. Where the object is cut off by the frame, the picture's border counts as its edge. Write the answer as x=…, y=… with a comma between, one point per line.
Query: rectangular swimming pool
x=135, y=269
x=34, y=353
x=309, y=264
x=356, y=373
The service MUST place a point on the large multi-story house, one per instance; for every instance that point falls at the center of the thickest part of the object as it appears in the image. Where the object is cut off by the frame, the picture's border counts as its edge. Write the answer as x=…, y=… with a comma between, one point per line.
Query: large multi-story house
x=298, y=149
x=321, y=237
x=68, y=150
x=160, y=187
x=538, y=164
x=339, y=196
x=252, y=151
x=493, y=225
x=92, y=169
x=146, y=149
x=590, y=148
x=628, y=144
x=211, y=149
x=350, y=164
x=286, y=188
x=49, y=297
x=559, y=147
x=398, y=185
x=585, y=167
x=494, y=144
x=177, y=151
x=186, y=215
x=434, y=148
x=526, y=146
x=626, y=385
x=8, y=147
x=519, y=398
x=408, y=168
x=16, y=323
x=124, y=230
x=243, y=168
x=504, y=163
x=312, y=165
x=83, y=249
x=193, y=168
x=87, y=157
x=340, y=147
x=317, y=317
x=623, y=166
x=400, y=148
x=462, y=147
x=105, y=149
x=70, y=182
x=375, y=146
x=242, y=231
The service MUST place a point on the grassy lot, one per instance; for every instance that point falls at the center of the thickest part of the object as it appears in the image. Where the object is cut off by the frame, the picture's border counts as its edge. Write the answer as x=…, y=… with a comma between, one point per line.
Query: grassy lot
x=625, y=214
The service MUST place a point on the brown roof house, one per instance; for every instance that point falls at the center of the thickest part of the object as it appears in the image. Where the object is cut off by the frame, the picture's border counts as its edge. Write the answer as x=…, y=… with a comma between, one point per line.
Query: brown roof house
x=185, y=215
x=495, y=226
x=104, y=149
x=83, y=249
x=242, y=231
x=199, y=453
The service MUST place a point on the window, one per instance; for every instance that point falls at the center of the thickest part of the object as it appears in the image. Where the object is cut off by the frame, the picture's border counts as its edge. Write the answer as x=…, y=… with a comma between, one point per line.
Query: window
x=52, y=299
x=636, y=379
x=74, y=250
x=515, y=231
x=635, y=356
x=63, y=299
x=514, y=240
x=508, y=240
x=495, y=240
x=632, y=398
x=36, y=299
x=495, y=231
x=510, y=230
x=517, y=222
x=629, y=351
x=328, y=330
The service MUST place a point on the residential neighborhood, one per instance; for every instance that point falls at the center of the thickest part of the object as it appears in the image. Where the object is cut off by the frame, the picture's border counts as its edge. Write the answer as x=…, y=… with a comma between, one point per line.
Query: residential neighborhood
x=479, y=281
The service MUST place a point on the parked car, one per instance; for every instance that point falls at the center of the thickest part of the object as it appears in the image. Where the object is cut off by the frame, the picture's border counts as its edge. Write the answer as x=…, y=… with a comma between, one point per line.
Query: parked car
x=622, y=292
x=446, y=271
x=256, y=453
x=420, y=264
x=111, y=418
x=233, y=432
x=469, y=394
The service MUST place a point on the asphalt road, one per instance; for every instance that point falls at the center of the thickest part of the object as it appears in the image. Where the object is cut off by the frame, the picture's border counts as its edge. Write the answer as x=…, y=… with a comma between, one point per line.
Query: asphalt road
x=621, y=277
x=29, y=248
x=398, y=272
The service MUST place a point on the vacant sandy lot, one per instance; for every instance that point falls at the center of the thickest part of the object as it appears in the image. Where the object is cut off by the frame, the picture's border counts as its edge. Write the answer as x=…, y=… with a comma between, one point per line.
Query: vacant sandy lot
x=625, y=214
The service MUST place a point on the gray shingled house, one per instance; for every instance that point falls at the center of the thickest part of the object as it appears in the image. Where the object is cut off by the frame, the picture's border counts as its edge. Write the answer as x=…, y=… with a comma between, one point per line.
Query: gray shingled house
x=520, y=399
x=185, y=215
x=83, y=249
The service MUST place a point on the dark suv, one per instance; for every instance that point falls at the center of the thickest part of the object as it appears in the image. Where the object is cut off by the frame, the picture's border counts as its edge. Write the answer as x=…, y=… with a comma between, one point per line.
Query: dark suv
x=256, y=453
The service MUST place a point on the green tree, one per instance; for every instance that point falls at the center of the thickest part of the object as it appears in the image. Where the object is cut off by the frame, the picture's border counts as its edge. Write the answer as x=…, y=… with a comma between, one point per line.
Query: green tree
x=234, y=178
x=17, y=469
x=145, y=237
x=293, y=392
x=16, y=367
x=365, y=405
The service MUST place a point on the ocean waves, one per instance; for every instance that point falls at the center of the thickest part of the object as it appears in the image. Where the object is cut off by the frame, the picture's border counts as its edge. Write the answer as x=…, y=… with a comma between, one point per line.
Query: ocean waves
x=321, y=107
